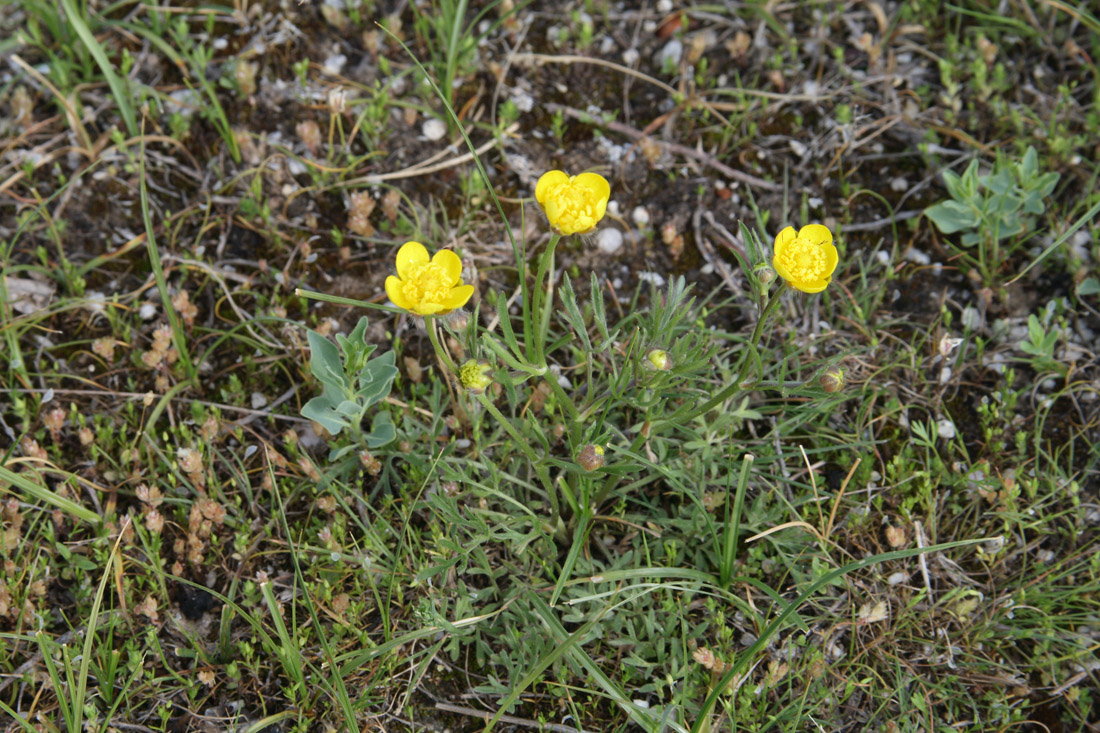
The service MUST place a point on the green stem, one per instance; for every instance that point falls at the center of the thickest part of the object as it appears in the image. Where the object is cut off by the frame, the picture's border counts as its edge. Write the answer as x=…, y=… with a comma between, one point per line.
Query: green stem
x=525, y=446
x=561, y=395
x=543, y=304
x=746, y=361
x=429, y=324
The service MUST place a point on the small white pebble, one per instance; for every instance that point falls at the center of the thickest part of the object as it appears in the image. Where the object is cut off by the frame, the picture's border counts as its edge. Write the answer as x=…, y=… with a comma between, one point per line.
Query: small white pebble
x=640, y=216
x=335, y=64
x=613, y=208
x=972, y=318
x=433, y=129
x=664, y=6
x=897, y=578
x=915, y=255
x=883, y=256
x=652, y=277
x=670, y=54
x=946, y=429
x=899, y=184
x=630, y=56
x=148, y=311
x=524, y=102
x=609, y=240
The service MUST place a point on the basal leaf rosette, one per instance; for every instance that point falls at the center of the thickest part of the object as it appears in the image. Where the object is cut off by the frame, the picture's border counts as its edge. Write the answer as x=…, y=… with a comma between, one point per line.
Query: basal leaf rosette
x=807, y=258
x=573, y=204
x=427, y=286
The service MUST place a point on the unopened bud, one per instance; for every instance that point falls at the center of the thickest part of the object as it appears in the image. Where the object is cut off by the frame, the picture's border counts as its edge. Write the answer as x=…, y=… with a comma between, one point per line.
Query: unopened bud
x=475, y=376
x=590, y=457
x=458, y=320
x=765, y=274
x=832, y=380
x=658, y=359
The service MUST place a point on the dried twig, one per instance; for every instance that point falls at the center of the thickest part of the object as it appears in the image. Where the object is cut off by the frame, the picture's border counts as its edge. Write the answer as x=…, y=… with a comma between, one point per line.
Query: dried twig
x=486, y=716
x=674, y=148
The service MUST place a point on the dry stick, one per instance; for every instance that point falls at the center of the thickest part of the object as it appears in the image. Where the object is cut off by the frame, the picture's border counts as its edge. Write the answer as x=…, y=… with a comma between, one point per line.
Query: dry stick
x=266, y=412
x=870, y=226
x=674, y=148
x=483, y=715
x=420, y=169
x=922, y=543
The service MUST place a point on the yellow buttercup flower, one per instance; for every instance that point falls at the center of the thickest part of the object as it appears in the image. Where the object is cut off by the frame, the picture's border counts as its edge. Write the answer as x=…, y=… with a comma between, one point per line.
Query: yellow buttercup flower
x=573, y=204
x=427, y=286
x=805, y=259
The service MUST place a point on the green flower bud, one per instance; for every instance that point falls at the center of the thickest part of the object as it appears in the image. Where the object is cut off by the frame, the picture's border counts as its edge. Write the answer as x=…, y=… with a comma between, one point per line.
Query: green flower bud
x=658, y=359
x=590, y=457
x=765, y=274
x=475, y=377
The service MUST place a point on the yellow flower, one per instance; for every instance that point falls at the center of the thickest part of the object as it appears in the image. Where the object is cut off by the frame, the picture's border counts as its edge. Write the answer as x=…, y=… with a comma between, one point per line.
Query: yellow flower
x=427, y=286
x=805, y=259
x=573, y=204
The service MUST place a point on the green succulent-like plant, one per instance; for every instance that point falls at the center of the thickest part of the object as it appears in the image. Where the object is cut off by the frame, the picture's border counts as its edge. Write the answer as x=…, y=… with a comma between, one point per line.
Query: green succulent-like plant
x=353, y=384
x=993, y=207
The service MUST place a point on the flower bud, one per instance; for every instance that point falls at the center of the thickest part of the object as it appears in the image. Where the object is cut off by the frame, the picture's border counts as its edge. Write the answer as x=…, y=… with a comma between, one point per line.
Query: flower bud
x=658, y=359
x=765, y=274
x=832, y=380
x=474, y=376
x=590, y=457
x=457, y=320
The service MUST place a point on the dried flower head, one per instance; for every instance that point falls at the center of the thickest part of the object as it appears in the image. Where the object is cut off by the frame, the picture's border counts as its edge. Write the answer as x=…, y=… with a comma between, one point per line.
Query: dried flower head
x=833, y=380
x=590, y=457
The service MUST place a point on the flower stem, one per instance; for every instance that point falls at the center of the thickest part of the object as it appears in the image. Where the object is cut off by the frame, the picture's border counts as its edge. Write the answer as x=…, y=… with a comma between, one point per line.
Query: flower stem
x=440, y=352
x=525, y=446
x=543, y=302
x=746, y=361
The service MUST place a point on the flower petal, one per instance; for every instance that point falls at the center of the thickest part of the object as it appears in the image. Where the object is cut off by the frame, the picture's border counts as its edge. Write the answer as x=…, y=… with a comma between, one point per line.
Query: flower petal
x=547, y=181
x=782, y=271
x=782, y=239
x=458, y=297
x=816, y=233
x=831, y=259
x=426, y=308
x=597, y=188
x=816, y=287
x=411, y=253
x=451, y=264
x=397, y=295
